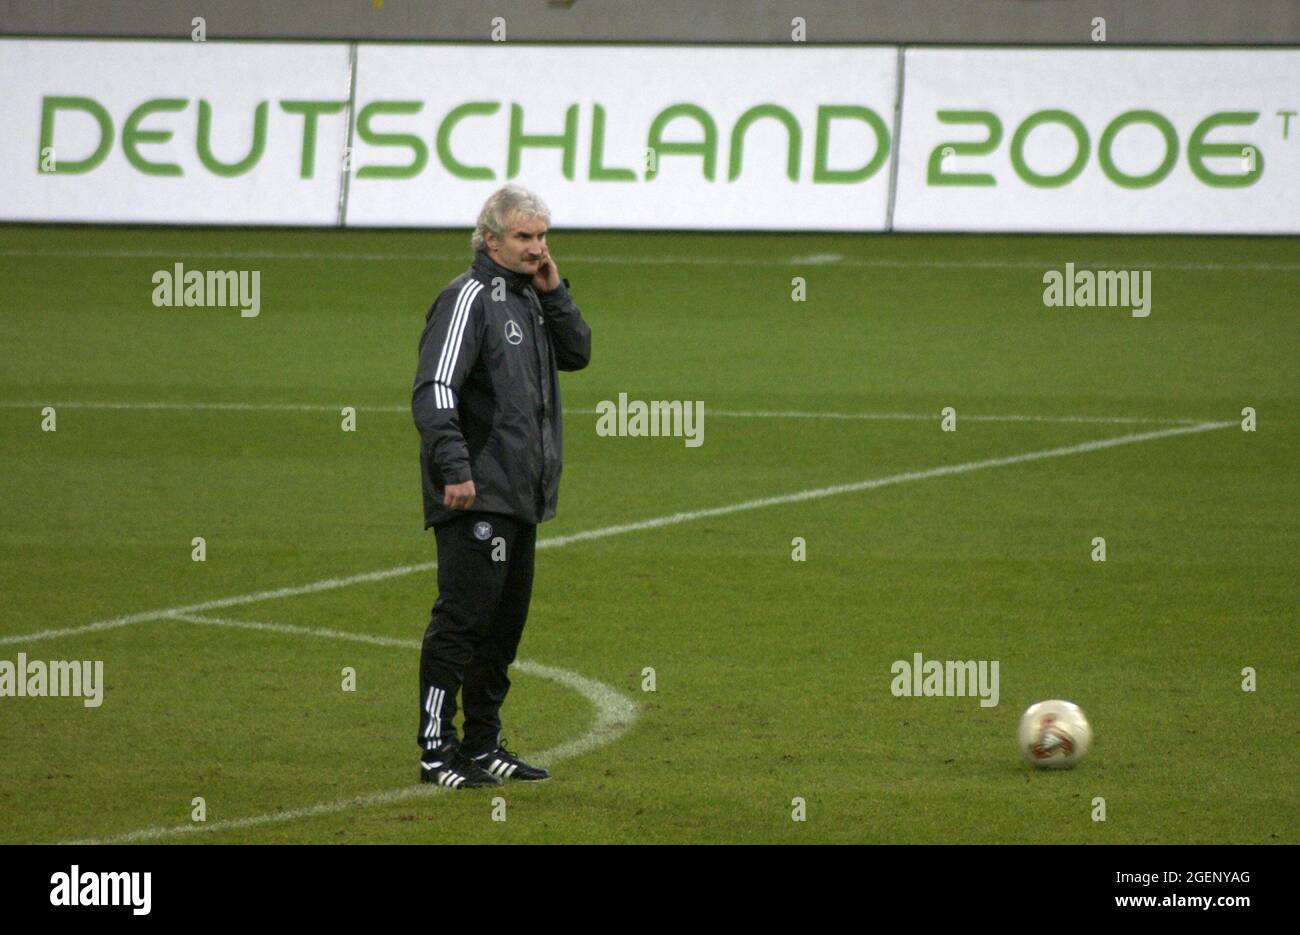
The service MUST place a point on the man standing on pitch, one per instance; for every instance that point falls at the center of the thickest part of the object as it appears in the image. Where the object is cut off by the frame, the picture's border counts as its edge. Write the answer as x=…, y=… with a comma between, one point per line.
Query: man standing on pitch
x=486, y=401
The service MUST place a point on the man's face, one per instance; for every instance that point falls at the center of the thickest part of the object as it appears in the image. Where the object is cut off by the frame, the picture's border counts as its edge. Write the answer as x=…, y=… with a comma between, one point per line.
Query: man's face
x=523, y=246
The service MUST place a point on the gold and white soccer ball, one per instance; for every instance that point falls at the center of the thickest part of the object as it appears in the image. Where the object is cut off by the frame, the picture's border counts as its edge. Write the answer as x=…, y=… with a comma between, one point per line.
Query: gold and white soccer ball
x=1054, y=734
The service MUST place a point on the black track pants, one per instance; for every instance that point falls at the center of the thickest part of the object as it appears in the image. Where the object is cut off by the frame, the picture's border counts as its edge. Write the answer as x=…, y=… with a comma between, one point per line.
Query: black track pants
x=485, y=581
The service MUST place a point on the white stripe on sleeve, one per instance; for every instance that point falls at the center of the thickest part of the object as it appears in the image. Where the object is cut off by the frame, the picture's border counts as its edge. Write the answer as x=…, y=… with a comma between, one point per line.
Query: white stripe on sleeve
x=445, y=398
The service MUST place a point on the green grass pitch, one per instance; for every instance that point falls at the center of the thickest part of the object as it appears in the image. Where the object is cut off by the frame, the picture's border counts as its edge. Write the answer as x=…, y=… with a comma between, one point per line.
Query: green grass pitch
x=772, y=675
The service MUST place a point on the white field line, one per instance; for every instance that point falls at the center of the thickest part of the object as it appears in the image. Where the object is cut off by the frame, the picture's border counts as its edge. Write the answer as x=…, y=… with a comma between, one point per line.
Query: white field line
x=568, y=410
x=257, y=597
x=614, y=711
x=816, y=259
x=672, y=519
x=933, y=417
x=821, y=260
x=614, y=716
x=202, y=406
x=290, y=629
x=860, y=486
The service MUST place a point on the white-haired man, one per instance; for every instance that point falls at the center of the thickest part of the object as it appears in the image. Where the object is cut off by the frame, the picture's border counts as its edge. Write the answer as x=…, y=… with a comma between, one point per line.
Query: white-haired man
x=487, y=405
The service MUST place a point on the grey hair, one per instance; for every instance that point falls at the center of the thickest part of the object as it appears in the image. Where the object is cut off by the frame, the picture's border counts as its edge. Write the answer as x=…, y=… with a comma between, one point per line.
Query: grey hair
x=505, y=203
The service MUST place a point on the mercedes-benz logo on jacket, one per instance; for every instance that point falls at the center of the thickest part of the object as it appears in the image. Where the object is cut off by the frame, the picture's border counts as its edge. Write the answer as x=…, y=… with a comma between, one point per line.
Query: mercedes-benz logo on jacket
x=486, y=398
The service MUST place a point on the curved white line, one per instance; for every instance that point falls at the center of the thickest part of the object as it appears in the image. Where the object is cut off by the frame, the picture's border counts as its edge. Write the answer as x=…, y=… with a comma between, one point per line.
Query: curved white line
x=615, y=714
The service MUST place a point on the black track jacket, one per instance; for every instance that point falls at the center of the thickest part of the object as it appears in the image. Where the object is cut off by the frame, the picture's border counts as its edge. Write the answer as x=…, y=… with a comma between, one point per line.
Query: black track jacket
x=486, y=398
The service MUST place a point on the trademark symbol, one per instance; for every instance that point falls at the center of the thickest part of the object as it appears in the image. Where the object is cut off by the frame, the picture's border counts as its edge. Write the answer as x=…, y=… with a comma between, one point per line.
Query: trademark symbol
x=1286, y=116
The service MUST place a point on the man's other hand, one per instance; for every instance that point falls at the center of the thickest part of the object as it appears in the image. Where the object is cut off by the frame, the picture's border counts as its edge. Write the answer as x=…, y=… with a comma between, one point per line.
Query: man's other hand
x=459, y=496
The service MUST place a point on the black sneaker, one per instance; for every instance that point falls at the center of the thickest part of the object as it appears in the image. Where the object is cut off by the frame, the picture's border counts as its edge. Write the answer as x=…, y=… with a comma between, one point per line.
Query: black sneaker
x=449, y=766
x=502, y=764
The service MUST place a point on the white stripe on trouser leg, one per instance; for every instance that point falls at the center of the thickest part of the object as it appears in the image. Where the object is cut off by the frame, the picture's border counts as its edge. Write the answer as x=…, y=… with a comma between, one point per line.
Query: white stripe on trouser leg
x=428, y=707
x=434, y=707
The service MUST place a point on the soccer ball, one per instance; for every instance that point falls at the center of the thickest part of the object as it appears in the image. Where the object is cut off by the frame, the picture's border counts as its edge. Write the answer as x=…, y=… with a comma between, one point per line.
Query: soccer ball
x=1054, y=734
